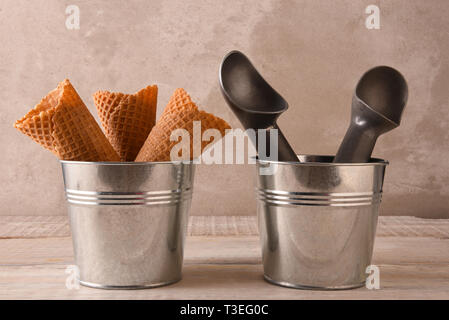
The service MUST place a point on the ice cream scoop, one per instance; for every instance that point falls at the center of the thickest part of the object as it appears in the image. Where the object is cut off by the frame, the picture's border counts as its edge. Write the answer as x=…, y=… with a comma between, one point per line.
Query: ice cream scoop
x=255, y=103
x=377, y=105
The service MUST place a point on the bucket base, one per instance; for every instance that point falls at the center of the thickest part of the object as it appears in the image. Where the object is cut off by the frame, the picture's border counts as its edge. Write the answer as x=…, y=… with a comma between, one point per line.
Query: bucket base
x=133, y=287
x=304, y=287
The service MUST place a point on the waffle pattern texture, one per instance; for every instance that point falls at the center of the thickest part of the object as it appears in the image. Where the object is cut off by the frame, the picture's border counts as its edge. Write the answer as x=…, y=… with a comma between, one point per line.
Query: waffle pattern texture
x=127, y=119
x=62, y=123
x=180, y=113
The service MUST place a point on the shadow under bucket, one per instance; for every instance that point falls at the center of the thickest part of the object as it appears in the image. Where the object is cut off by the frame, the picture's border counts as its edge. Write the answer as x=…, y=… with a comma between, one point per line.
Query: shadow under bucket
x=317, y=221
x=128, y=221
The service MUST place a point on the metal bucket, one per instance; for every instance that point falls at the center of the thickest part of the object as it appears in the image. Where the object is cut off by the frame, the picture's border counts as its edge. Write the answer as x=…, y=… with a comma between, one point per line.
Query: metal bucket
x=128, y=221
x=317, y=221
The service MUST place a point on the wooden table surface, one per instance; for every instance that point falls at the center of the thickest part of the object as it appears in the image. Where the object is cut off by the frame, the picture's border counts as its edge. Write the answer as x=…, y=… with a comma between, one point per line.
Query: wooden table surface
x=223, y=261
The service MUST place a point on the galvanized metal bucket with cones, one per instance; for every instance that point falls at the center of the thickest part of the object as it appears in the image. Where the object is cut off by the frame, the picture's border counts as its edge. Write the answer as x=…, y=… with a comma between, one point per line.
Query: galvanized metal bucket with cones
x=128, y=218
x=128, y=221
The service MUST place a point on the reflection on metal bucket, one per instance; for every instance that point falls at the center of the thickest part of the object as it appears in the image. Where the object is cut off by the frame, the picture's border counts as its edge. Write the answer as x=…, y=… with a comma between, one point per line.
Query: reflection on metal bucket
x=317, y=221
x=128, y=221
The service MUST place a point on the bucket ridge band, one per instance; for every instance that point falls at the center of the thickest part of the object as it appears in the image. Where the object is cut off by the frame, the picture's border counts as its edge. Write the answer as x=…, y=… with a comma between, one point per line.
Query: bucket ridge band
x=163, y=197
x=334, y=199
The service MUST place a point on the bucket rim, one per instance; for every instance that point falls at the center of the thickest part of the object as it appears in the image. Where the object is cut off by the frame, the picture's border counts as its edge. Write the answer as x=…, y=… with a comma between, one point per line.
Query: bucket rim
x=127, y=163
x=328, y=163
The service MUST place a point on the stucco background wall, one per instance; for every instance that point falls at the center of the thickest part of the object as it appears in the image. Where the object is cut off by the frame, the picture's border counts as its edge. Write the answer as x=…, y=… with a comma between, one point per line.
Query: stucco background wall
x=312, y=51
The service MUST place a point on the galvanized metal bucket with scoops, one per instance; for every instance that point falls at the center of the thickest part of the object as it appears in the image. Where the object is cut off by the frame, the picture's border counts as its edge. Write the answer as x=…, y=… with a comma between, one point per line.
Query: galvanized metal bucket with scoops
x=317, y=221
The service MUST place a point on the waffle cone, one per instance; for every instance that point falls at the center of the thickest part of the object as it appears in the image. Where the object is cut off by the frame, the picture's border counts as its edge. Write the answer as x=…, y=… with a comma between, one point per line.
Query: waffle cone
x=62, y=123
x=127, y=119
x=180, y=113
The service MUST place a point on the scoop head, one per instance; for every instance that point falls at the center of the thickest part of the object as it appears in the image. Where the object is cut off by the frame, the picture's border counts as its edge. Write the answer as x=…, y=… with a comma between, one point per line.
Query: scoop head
x=384, y=91
x=377, y=105
x=255, y=103
x=251, y=98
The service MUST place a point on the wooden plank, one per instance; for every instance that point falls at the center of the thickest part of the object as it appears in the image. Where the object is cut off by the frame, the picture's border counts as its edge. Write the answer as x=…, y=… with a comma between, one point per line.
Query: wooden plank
x=401, y=226
x=224, y=250
x=34, y=226
x=223, y=261
x=58, y=226
x=225, y=282
x=220, y=250
x=225, y=268
x=222, y=226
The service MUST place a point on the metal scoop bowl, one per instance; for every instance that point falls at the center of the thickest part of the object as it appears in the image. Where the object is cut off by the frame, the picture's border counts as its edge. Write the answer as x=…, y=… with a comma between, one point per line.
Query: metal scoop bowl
x=255, y=103
x=377, y=105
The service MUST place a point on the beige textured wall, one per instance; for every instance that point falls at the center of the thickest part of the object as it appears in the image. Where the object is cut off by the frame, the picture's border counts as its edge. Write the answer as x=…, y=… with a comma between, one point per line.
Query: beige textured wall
x=312, y=51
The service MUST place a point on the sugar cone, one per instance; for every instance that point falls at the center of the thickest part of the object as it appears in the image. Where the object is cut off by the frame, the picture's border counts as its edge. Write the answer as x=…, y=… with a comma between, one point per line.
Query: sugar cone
x=180, y=113
x=62, y=123
x=127, y=119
